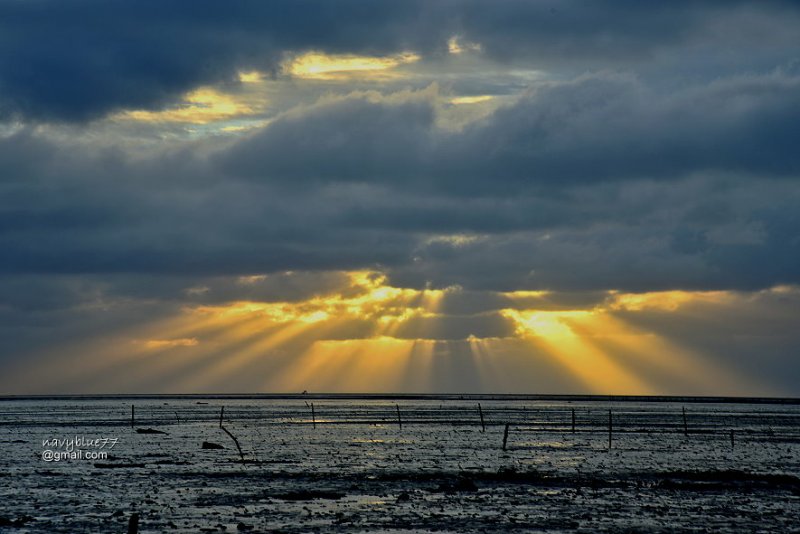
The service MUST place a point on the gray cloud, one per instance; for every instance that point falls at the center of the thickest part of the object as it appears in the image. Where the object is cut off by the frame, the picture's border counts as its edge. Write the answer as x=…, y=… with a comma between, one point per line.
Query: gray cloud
x=592, y=184
x=597, y=128
x=84, y=59
x=653, y=150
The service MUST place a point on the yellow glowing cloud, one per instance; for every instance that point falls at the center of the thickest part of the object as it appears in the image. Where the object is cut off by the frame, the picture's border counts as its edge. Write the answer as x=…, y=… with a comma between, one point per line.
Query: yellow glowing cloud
x=250, y=77
x=456, y=46
x=368, y=297
x=346, y=340
x=548, y=324
x=519, y=295
x=321, y=66
x=663, y=300
x=458, y=100
x=201, y=106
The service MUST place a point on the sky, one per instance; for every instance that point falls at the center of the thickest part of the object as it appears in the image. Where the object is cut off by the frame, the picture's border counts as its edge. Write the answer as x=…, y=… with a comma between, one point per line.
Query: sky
x=450, y=196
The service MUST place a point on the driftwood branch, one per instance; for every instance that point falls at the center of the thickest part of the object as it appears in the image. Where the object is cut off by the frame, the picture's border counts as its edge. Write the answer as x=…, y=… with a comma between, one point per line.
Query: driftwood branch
x=236, y=441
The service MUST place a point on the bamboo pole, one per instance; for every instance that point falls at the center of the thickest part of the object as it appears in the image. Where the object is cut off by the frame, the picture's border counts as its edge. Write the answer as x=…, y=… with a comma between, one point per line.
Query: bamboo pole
x=505, y=436
x=399, y=420
x=685, y=425
x=480, y=412
x=313, y=416
x=573, y=420
x=133, y=409
x=609, y=429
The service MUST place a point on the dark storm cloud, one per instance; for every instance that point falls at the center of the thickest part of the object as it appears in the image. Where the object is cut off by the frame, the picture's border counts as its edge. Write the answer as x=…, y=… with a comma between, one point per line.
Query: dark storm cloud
x=80, y=60
x=606, y=180
x=599, y=127
x=74, y=61
x=294, y=196
x=353, y=139
x=755, y=247
x=89, y=211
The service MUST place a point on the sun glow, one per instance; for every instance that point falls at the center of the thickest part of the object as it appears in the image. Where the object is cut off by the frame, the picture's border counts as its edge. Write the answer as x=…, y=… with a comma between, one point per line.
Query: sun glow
x=321, y=66
x=252, y=76
x=611, y=356
x=663, y=300
x=369, y=335
x=458, y=100
x=456, y=46
x=552, y=331
x=202, y=106
x=545, y=324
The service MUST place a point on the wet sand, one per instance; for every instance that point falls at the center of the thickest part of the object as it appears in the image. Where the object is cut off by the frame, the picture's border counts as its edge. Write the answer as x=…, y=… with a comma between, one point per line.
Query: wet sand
x=354, y=468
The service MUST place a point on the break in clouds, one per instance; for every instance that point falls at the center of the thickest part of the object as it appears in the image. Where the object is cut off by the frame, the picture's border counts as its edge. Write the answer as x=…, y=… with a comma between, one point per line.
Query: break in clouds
x=608, y=148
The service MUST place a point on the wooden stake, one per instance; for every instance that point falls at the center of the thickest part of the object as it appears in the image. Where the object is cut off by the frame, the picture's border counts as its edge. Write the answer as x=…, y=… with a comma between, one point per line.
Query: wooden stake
x=221, y=413
x=505, y=436
x=573, y=420
x=731, y=438
x=132, y=416
x=133, y=524
x=313, y=416
x=399, y=420
x=609, y=429
x=480, y=411
x=685, y=426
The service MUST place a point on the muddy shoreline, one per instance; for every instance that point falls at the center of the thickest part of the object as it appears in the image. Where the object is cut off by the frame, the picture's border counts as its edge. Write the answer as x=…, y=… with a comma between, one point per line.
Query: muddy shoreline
x=354, y=467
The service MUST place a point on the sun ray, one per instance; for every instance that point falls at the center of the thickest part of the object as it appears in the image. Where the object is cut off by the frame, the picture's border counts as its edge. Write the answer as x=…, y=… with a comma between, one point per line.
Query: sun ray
x=594, y=367
x=232, y=361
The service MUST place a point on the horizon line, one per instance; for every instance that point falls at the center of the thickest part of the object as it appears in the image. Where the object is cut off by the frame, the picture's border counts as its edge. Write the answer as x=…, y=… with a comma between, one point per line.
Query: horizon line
x=415, y=396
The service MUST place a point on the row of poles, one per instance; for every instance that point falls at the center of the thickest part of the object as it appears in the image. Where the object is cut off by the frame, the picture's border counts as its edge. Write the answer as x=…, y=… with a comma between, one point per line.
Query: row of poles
x=480, y=413
x=508, y=425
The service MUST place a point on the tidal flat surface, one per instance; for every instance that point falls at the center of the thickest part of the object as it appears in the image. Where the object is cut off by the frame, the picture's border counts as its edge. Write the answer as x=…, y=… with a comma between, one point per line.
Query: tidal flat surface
x=355, y=466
